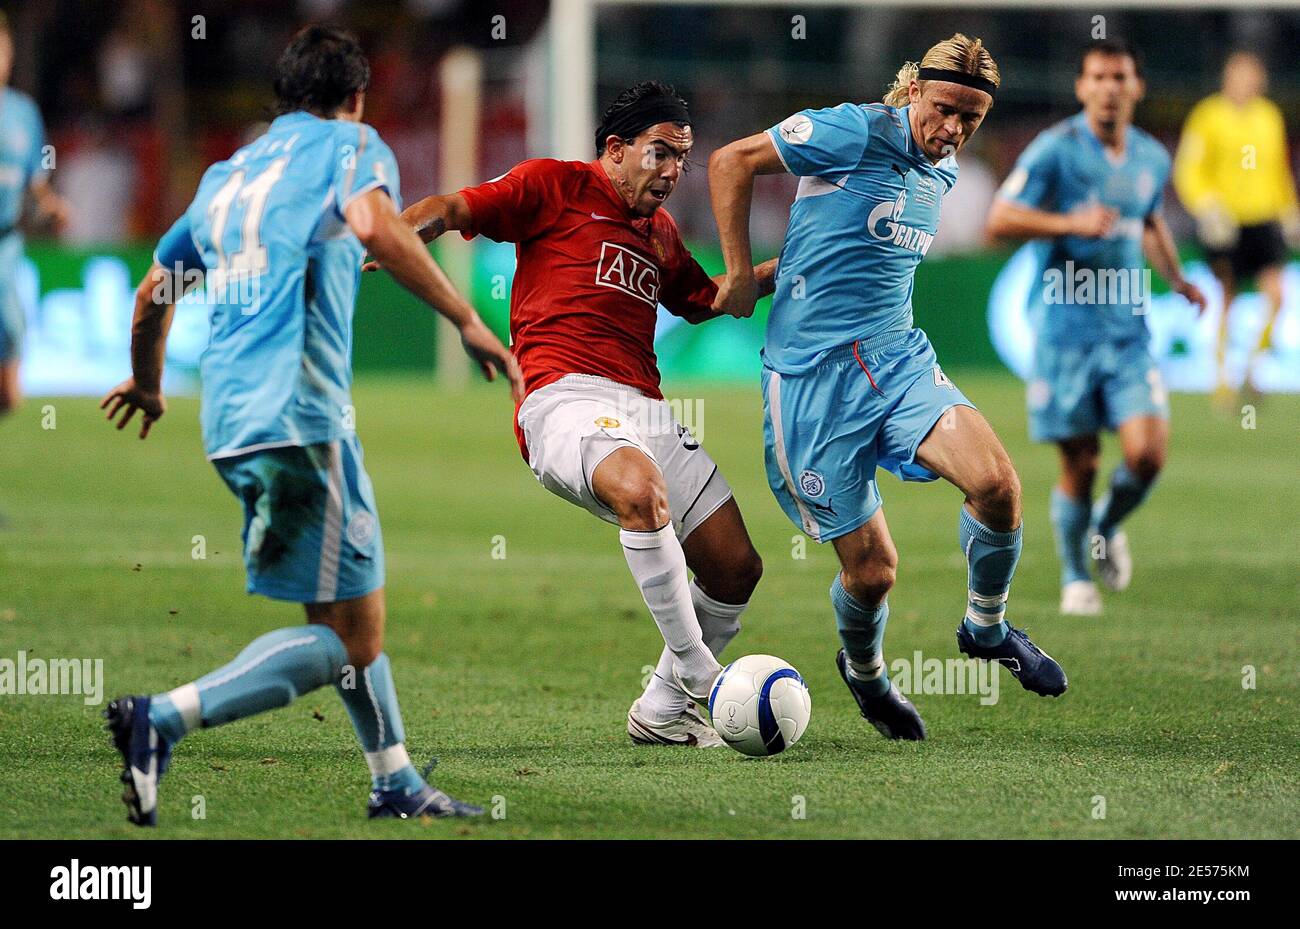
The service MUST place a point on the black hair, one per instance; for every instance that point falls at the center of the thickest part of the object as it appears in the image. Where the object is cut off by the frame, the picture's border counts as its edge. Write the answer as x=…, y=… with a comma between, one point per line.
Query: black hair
x=319, y=70
x=1110, y=47
x=650, y=96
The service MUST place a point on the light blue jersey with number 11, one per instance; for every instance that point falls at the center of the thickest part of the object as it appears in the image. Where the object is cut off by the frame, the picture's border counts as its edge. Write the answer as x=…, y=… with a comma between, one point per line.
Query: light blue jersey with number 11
x=282, y=269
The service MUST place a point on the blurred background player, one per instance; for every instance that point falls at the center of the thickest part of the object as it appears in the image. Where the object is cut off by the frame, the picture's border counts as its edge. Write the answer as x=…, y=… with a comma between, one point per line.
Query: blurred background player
x=22, y=172
x=850, y=384
x=278, y=231
x=596, y=255
x=1089, y=192
x=1232, y=174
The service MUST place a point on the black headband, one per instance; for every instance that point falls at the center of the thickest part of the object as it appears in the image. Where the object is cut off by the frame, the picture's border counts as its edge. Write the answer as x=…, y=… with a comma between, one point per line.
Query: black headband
x=631, y=121
x=957, y=77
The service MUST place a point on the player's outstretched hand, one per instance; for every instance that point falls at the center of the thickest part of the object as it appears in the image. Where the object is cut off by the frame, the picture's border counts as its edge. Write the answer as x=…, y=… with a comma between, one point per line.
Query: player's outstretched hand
x=1192, y=294
x=736, y=296
x=483, y=346
x=126, y=398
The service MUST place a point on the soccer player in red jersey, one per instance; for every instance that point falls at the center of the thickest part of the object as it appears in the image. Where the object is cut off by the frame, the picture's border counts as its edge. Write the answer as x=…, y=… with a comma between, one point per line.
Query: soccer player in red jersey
x=596, y=256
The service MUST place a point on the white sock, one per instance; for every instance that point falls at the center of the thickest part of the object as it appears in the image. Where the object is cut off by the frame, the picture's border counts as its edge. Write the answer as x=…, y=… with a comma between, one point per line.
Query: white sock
x=658, y=564
x=866, y=672
x=719, y=622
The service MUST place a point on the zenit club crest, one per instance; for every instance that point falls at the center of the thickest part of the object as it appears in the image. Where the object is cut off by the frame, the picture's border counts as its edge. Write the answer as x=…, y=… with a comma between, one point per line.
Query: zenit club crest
x=811, y=483
x=361, y=529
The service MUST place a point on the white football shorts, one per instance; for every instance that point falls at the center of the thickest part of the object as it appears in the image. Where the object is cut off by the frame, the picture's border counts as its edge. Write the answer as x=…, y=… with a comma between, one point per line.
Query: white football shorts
x=574, y=424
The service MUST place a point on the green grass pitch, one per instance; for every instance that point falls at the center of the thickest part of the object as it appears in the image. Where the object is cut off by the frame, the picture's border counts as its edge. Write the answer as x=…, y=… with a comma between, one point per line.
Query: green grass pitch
x=516, y=672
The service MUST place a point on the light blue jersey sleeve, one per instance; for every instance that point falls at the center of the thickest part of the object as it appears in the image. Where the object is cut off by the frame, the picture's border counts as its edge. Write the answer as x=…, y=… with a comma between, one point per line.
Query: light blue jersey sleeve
x=36, y=168
x=1033, y=181
x=821, y=143
x=364, y=163
x=176, y=247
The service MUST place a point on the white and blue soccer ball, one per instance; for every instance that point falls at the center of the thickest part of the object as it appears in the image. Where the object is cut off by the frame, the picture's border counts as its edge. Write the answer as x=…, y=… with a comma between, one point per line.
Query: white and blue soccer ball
x=760, y=705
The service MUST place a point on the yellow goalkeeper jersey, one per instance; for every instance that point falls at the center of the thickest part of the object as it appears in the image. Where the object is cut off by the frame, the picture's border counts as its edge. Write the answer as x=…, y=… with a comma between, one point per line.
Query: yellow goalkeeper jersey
x=1238, y=157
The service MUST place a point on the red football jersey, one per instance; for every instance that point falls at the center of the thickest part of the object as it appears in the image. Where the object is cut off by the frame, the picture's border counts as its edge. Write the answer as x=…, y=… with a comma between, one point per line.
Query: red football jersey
x=590, y=273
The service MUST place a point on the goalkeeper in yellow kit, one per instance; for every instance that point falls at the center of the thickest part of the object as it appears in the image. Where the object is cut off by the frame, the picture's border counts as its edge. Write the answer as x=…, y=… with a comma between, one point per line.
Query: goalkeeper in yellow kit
x=1231, y=173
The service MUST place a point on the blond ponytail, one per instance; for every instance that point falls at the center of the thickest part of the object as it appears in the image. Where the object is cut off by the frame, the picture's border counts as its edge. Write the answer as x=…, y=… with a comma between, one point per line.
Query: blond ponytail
x=897, y=94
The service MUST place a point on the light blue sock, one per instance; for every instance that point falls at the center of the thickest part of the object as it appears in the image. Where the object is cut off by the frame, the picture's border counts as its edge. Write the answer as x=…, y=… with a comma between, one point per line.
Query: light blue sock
x=270, y=672
x=862, y=630
x=371, y=701
x=1070, y=517
x=991, y=559
x=1126, y=493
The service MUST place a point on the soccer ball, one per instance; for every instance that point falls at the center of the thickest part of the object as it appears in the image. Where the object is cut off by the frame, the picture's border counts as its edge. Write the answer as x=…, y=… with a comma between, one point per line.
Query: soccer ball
x=760, y=705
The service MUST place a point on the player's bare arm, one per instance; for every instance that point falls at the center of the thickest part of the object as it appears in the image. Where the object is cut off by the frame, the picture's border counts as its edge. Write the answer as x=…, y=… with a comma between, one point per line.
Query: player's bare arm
x=1158, y=244
x=430, y=218
x=434, y=215
x=388, y=237
x=732, y=170
x=1009, y=220
x=154, y=309
x=764, y=277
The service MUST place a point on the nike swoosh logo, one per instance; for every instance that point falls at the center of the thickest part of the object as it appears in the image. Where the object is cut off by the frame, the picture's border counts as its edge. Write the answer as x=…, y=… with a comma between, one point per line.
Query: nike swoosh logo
x=597, y=216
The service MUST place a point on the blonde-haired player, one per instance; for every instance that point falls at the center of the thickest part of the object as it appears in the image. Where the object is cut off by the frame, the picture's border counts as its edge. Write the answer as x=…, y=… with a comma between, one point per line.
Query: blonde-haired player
x=849, y=384
x=1231, y=173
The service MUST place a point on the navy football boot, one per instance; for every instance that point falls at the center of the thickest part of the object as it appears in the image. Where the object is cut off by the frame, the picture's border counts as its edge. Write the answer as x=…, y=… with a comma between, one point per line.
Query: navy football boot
x=145, y=756
x=1030, y=665
x=891, y=713
x=428, y=801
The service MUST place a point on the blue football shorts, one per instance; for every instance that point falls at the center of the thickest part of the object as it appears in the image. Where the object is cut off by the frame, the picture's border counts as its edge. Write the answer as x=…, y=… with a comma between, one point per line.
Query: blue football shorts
x=311, y=529
x=865, y=405
x=1079, y=390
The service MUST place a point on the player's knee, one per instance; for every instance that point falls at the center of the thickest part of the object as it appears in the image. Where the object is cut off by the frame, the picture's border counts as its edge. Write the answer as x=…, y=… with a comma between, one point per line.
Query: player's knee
x=1084, y=474
x=869, y=582
x=363, y=649
x=1081, y=470
x=1146, y=463
x=642, y=503
x=731, y=576
x=997, y=497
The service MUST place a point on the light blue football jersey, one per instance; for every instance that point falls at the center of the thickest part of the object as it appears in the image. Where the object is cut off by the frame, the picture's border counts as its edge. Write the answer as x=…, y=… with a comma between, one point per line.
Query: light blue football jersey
x=1066, y=167
x=22, y=137
x=866, y=211
x=282, y=269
